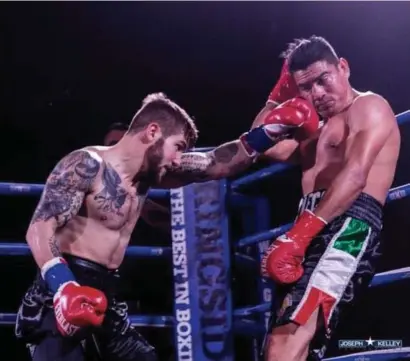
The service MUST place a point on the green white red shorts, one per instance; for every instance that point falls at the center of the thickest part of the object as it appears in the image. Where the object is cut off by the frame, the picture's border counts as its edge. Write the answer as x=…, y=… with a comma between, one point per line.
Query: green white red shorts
x=339, y=264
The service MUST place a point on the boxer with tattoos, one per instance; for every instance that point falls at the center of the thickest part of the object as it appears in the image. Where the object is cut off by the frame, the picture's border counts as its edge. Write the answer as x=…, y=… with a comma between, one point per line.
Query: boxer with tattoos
x=82, y=225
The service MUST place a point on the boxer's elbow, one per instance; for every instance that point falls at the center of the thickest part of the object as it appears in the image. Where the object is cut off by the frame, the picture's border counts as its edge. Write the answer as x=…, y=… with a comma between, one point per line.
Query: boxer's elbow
x=40, y=238
x=33, y=237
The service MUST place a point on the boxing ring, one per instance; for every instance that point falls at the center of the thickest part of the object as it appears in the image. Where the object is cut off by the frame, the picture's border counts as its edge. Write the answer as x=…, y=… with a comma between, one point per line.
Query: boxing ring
x=202, y=253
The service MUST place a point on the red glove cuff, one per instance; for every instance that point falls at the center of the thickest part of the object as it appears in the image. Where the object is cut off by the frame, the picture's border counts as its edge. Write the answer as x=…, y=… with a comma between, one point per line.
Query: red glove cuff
x=307, y=226
x=285, y=88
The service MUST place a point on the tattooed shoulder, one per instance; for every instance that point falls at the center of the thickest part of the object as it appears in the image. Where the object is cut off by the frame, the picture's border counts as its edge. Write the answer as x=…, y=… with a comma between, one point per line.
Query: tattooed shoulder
x=66, y=187
x=78, y=169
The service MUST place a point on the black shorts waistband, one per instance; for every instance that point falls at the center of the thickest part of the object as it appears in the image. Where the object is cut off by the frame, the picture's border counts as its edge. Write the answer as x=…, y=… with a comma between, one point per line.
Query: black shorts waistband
x=365, y=208
x=93, y=274
x=368, y=209
x=73, y=260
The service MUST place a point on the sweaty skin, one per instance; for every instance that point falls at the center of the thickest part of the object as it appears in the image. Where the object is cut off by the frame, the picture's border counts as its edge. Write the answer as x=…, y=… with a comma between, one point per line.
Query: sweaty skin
x=89, y=208
x=356, y=151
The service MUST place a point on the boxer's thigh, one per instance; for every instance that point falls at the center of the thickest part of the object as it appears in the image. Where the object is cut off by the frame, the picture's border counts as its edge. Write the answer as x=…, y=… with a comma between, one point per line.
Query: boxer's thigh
x=118, y=340
x=57, y=348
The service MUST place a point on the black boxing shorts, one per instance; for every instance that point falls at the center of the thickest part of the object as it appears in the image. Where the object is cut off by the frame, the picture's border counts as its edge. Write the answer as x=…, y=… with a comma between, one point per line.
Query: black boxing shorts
x=339, y=264
x=115, y=340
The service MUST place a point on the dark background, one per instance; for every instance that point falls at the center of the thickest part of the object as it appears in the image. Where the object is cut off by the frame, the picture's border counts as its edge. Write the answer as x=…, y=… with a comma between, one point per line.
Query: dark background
x=68, y=70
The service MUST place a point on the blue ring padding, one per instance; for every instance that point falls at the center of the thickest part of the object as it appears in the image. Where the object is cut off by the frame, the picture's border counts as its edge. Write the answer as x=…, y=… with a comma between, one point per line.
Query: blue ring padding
x=263, y=236
x=22, y=249
x=25, y=189
x=394, y=194
x=267, y=172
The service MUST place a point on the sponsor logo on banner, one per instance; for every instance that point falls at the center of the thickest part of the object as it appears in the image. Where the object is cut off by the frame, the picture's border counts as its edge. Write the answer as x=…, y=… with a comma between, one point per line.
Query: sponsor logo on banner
x=266, y=287
x=181, y=276
x=211, y=270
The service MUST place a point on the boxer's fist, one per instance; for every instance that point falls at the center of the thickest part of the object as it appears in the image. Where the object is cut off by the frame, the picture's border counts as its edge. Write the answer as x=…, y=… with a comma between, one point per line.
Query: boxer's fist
x=283, y=259
x=285, y=88
x=294, y=114
x=78, y=306
x=293, y=118
x=306, y=119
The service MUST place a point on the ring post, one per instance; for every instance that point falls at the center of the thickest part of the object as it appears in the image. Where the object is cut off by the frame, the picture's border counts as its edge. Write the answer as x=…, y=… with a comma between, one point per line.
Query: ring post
x=202, y=278
x=255, y=219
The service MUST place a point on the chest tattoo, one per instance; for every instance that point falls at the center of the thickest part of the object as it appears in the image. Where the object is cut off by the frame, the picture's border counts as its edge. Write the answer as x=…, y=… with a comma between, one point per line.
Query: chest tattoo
x=113, y=196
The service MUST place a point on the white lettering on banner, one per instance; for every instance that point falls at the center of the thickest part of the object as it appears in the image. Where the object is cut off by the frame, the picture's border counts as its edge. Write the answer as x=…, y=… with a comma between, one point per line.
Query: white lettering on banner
x=182, y=293
x=181, y=286
x=266, y=289
x=184, y=334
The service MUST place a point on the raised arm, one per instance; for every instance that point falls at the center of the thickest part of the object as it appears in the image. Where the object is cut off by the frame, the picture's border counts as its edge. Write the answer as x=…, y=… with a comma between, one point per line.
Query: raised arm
x=285, y=89
x=224, y=161
x=61, y=200
x=294, y=115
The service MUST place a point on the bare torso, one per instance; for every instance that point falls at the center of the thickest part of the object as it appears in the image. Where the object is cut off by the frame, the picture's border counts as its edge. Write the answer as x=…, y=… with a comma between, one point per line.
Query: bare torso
x=101, y=231
x=324, y=154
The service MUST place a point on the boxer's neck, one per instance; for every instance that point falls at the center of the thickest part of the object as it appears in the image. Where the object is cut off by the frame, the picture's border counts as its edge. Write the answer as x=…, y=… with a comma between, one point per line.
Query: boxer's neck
x=351, y=95
x=127, y=157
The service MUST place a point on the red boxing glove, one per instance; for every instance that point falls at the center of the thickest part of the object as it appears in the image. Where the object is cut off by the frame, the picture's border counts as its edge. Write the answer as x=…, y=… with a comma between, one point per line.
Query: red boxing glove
x=283, y=260
x=285, y=88
x=293, y=118
x=294, y=113
x=78, y=306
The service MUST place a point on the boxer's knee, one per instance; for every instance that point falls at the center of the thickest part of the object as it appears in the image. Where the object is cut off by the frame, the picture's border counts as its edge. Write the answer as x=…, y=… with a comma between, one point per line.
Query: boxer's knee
x=277, y=345
x=291, y=342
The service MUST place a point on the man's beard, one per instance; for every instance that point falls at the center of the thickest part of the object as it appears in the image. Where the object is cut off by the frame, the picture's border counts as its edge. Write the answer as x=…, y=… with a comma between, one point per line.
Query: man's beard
x=153, y=158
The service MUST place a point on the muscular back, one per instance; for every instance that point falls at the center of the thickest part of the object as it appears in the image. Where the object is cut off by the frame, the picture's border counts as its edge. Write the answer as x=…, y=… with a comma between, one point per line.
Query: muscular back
x=325, y=155
x=91, y=209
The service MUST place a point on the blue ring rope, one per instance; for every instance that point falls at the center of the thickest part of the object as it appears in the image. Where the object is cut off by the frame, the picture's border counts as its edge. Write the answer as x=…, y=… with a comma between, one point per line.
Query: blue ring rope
x=379, y=279
x=246, y=181
x=394, y=194
x=22, y=249
x=7, y=188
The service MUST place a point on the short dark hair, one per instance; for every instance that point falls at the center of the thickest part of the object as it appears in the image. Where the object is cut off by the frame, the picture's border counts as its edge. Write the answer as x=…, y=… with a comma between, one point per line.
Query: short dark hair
x=117, y=126
x=157, y=107
x=304, y=52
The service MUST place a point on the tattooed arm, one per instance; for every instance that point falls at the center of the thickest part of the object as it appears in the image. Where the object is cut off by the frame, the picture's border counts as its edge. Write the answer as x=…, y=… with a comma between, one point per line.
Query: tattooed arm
x=224, y=161
x=62, y=198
